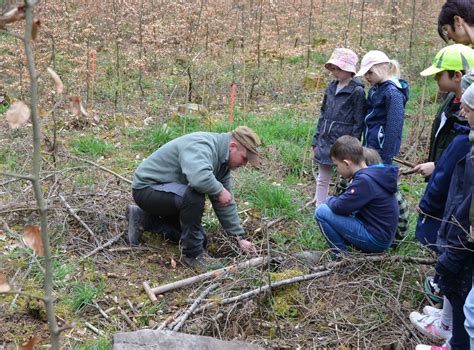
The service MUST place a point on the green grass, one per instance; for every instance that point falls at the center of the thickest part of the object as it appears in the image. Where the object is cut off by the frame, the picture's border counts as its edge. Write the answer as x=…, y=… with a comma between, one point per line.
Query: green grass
x=96, y=344
x=3, y=108
x=314, y=58
x=8, y=159
x=430, y=87
x=91, y=145
x=154, y=138
x=270, y=198
x=83, y=294
x=62, y=271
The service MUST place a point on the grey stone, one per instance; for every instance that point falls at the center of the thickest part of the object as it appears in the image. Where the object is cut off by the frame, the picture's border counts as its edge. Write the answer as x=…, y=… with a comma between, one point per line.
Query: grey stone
x=148, y=339
x=310, y=257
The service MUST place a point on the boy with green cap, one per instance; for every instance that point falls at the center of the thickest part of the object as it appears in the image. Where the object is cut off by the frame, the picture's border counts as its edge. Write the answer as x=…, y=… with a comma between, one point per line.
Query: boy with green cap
x=449, y=144
x=449, y=66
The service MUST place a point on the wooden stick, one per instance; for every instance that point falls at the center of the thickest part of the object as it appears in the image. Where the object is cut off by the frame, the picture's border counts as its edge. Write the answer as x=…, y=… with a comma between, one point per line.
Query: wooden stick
x=105, y=245
x=404, y=162
x=326, y=270
x=93, y=329
x=128, y=320
x=262, y=289
x=180, y=321
x=202, y=277
x=102, y=312
x=100, y=167
x=71, y=211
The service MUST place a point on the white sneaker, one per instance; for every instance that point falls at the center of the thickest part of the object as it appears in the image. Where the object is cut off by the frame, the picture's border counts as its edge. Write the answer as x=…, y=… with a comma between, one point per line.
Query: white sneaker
x=431, y=347
x=430, y=326
x=432, y=311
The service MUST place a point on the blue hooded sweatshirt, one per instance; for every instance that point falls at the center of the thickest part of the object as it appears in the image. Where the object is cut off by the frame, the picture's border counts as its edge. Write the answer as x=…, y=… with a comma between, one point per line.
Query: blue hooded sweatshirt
x=371, y=198
x=455, y=247
x=434, y=199
x=384, y=120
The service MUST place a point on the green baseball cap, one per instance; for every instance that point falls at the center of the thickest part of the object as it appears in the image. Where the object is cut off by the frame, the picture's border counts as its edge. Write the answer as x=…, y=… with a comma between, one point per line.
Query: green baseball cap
x=452, y=57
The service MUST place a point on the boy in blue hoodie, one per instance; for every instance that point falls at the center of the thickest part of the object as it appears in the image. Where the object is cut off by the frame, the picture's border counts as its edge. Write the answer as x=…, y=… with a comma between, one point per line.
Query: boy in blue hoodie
x=366, y=214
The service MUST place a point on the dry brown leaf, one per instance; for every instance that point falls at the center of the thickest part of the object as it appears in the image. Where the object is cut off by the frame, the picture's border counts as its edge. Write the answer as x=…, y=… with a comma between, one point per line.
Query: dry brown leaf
x=30, y=344
x=58, y=84
x=16, y=14
x=4, y=286
x=35, y=28
x=32, y=237
x=18, y=114
x=76, y=107
x=173, y=263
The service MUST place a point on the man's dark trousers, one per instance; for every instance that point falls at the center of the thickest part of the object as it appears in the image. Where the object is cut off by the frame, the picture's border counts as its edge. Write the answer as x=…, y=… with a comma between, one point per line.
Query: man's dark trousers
x=176, y=214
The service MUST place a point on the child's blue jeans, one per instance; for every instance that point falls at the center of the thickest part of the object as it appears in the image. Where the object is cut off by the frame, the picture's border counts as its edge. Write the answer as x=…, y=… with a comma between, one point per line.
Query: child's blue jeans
x=339, y=229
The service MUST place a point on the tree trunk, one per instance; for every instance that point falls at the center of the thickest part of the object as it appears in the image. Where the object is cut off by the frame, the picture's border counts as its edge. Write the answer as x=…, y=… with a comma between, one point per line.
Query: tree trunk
x=394, y=19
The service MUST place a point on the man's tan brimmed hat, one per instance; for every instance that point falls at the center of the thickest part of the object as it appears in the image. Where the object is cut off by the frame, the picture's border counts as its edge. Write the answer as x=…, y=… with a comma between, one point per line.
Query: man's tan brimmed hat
x=250, y=140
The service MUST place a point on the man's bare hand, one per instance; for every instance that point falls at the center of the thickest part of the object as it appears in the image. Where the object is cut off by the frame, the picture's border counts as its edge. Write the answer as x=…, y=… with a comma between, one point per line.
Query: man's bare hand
x=425, y=169
x=247, y=246
x=224, y=197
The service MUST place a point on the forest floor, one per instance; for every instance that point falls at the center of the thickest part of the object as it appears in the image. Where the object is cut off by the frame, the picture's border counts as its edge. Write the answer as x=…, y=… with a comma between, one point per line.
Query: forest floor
x=357, y=302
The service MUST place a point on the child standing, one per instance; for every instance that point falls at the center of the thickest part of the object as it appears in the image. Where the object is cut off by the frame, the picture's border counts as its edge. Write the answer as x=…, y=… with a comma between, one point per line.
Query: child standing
x=449, y=138
x=386, y=101
x=342, y=113
x=366, y=214
x=454, y=265
x=455, y=60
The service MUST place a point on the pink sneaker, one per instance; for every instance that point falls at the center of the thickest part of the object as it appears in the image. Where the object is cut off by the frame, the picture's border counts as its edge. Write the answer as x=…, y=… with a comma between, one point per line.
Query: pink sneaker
x=430, y=326
x=431, y=347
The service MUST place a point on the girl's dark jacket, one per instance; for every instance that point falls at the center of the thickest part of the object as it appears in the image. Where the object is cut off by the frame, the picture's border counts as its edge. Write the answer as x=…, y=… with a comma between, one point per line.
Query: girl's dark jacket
x=454, y=243
x=342, y=113
x=384, y=120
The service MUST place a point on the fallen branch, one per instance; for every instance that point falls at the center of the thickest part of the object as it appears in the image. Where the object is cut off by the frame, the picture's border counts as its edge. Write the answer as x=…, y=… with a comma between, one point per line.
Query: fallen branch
x=264, y=288
x=325, y=270
x=71, y=211
x=103, y=246
x=100, y=167
x=128, y=320
x=102, y=312
x=202, y=277
x=93, y=329
x=176, y=325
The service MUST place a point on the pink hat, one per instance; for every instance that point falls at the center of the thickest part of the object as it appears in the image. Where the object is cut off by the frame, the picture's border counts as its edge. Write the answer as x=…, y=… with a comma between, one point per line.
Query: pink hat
x=370, y=59
x=344, y=59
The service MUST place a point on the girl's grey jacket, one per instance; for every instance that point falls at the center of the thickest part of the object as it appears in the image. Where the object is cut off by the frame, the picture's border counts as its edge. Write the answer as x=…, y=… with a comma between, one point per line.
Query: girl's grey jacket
x=342, y=113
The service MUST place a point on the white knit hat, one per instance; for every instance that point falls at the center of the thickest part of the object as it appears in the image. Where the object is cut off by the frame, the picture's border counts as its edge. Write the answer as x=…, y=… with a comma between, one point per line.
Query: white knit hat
x=468, y=97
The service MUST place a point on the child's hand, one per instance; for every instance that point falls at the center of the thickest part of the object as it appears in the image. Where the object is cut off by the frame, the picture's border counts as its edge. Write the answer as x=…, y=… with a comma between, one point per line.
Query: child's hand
x=425, y=169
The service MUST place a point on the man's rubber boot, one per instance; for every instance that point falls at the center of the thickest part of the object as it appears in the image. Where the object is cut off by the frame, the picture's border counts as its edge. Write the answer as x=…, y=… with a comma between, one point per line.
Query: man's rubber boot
x=136, y=218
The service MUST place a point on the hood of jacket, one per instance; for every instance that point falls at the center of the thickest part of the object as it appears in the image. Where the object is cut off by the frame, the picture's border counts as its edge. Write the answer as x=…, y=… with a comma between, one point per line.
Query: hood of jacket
x=400, y=84
x=385, y=176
